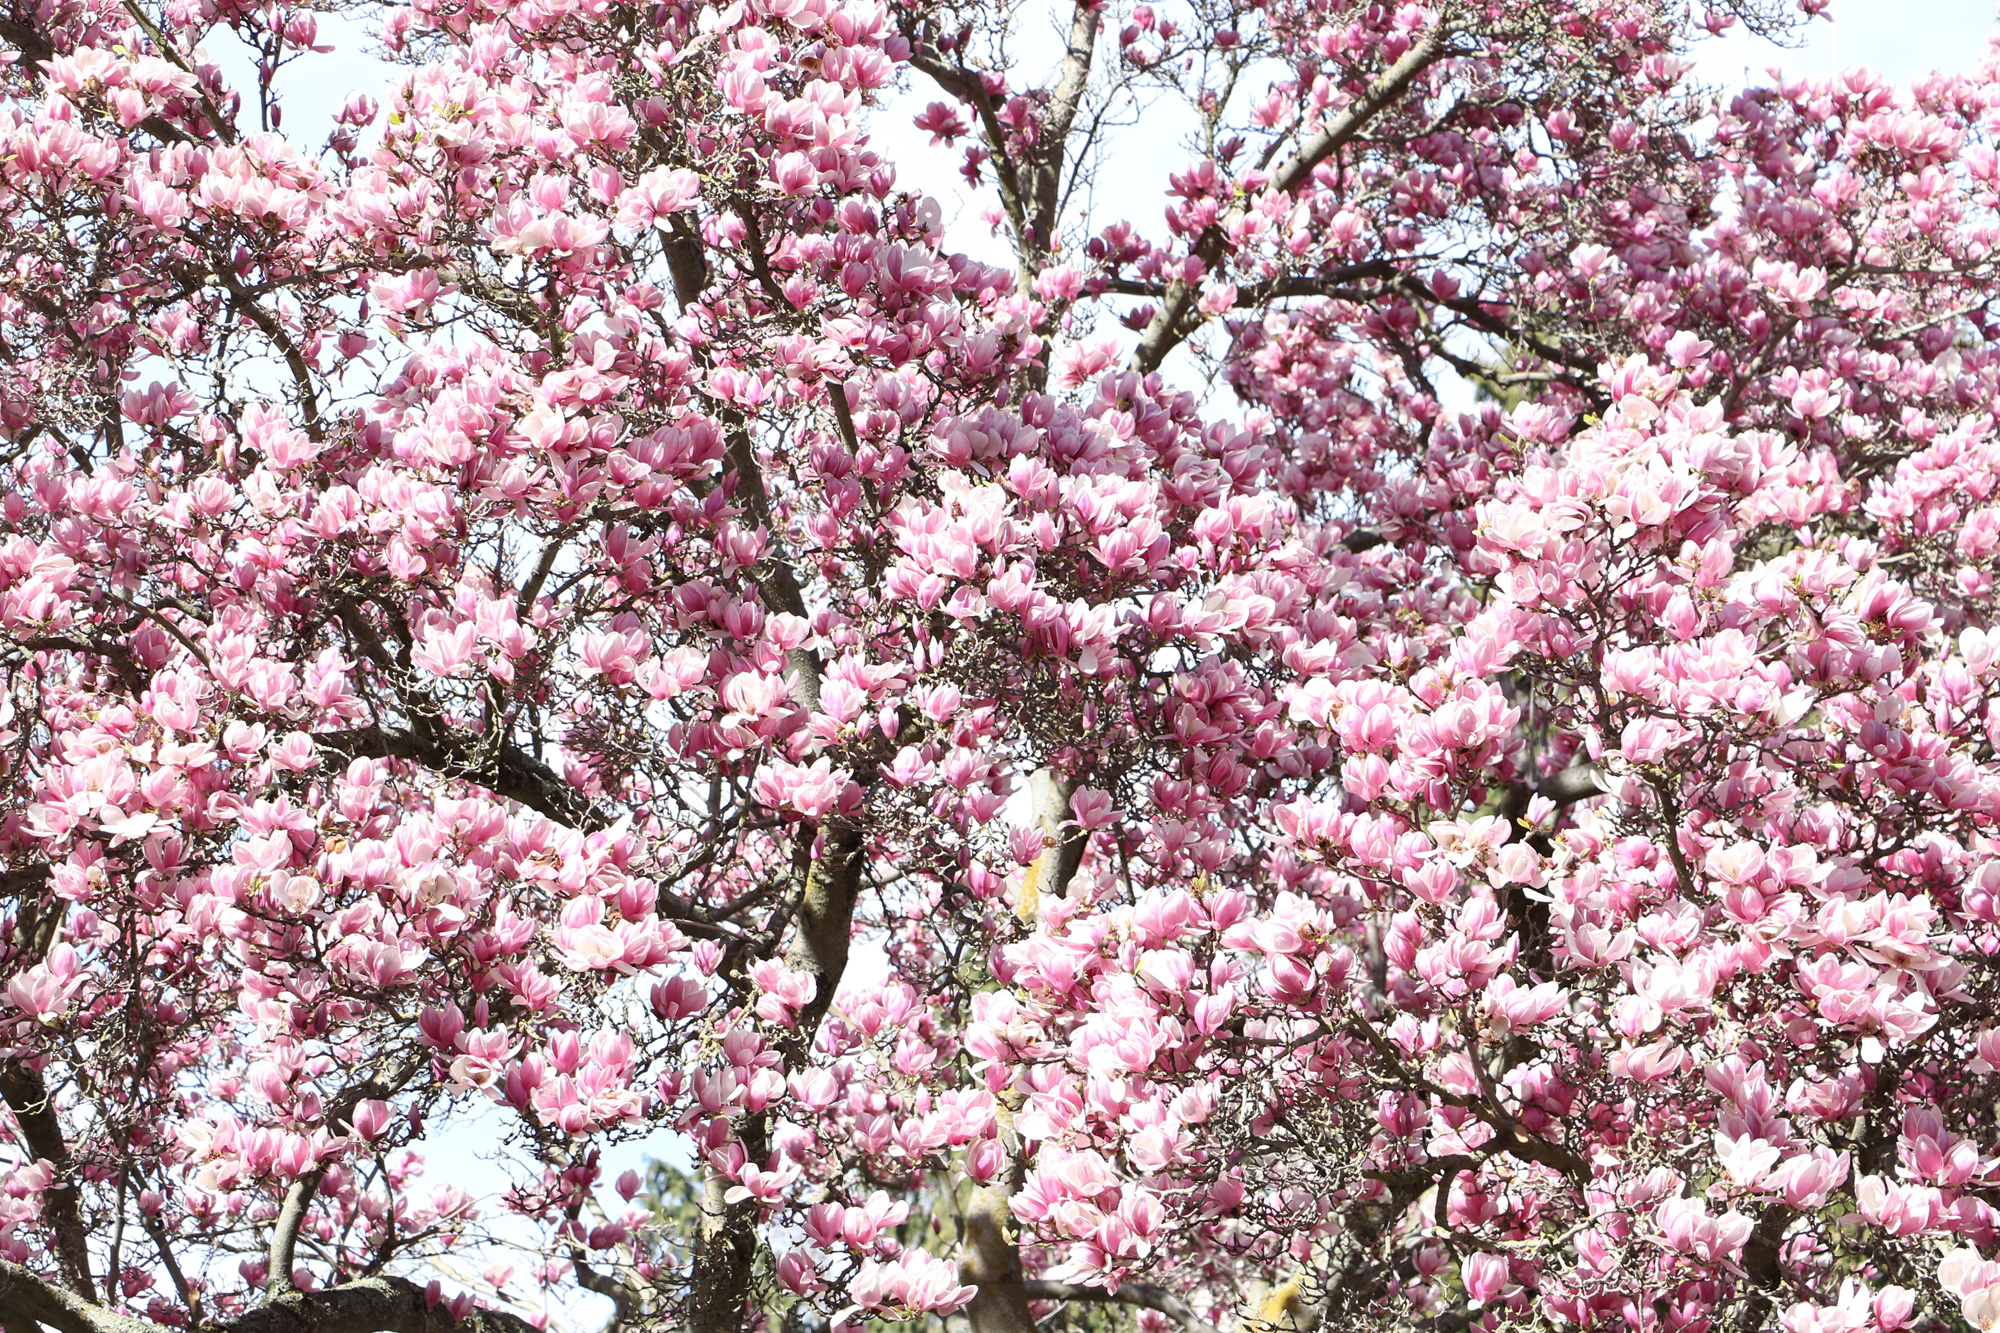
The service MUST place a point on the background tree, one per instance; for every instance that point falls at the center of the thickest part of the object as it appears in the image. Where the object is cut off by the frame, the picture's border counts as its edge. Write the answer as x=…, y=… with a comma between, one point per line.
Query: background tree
x=575, y=597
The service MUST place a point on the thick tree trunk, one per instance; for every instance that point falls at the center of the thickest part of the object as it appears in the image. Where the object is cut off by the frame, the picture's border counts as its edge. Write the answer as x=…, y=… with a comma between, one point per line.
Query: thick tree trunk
x=725, y=1255
x=992, y=1262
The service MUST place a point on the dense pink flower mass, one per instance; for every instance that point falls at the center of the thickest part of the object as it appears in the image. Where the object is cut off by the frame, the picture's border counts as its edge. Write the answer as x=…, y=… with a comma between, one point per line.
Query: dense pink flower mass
x=1408, y=743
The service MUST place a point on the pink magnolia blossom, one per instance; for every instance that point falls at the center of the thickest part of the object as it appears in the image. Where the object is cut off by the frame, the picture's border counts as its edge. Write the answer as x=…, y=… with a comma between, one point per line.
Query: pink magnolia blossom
x=565, y=603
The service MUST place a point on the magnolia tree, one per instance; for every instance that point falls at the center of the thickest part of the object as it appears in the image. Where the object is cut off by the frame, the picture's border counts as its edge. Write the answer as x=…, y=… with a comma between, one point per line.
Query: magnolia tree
x=1411, y=744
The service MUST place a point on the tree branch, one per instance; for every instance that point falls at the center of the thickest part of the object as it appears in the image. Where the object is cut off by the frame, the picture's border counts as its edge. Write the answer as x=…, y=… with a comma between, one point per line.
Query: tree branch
x=991, y=1258
x=774, y=575
x=379, y=1304
x=1165, y=331
x=1142, y=1294
x=965, y=85
x=26, y=1300
x=1578, y=782
x=506, y=770
x=22, y=880
x=298, y=1199
x=624, y=1300
x=1058, y=119
x=285, y=1235
x=367, y=1305
x=1062, y=849
x=27, y=1096
x=223, y=129
x=1327, y=282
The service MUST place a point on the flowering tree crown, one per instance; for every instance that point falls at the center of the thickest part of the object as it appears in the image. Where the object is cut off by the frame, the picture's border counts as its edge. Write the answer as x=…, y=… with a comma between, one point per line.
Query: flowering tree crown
x=571, y=603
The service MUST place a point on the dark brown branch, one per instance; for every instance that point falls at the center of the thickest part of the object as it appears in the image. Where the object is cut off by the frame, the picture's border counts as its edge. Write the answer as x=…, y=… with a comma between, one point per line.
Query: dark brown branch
x=1327, y=282
x=165, y=624
x=1579, y=782
x=532, y=589
x=1488, y=322
x=36, y=49
x=223, y=129
x=726, y=1242
x=295, y=361
x=965, y=85
x=22, y=880
x=687, y=265
x=1761, y=1267
x=504, y=769
x=1447, y=1170
x=27, y=1096
x=624, y=1300
x=164, y=1245
x=31, y=42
